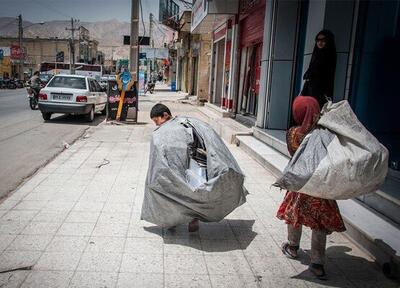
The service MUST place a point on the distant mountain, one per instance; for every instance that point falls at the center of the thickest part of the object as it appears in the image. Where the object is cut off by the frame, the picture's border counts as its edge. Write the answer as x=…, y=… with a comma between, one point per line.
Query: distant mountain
x=108, y=33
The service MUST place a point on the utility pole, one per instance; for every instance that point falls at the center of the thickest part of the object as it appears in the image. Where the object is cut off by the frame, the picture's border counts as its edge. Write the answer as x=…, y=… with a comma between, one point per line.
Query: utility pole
x=134, y=46
x=22, y=57
x=152, y=42
x=72, y=47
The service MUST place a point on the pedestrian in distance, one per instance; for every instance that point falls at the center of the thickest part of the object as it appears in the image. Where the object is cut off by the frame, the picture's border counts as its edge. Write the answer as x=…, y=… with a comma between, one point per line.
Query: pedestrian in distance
x=297, y=209
x=320, y=75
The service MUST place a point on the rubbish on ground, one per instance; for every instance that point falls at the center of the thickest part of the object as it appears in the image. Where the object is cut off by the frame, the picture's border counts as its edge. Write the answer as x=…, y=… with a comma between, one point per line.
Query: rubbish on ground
x=65, y=145
x=105, y=162
x=16, y=269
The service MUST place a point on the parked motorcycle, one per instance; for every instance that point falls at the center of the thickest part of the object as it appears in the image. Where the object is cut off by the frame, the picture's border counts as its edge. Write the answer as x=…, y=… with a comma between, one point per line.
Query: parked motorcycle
x=19, y=83
x=150, y=87
x=12, y=84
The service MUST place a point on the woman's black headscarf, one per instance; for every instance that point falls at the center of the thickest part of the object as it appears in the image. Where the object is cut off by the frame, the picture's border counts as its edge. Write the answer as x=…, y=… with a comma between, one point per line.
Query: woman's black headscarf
x=320, y=74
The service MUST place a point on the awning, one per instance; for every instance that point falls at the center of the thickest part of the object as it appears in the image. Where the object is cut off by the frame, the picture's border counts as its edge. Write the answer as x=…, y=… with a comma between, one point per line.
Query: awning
x=208, y=15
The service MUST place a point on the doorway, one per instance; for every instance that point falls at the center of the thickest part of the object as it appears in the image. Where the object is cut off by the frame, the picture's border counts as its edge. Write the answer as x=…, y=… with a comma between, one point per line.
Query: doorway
x=219, y=48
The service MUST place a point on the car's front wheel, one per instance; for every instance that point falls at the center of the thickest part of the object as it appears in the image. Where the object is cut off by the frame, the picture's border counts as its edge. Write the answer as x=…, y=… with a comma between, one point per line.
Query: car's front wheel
x=46, y=115
x=90, y=115
x=104, y=111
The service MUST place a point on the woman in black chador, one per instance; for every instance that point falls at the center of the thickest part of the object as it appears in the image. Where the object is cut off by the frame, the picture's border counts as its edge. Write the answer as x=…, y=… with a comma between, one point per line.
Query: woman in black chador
x=320, y=74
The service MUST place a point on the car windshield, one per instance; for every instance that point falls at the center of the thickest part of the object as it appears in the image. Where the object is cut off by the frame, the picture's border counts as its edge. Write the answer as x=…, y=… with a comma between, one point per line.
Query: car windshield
x=68, y=82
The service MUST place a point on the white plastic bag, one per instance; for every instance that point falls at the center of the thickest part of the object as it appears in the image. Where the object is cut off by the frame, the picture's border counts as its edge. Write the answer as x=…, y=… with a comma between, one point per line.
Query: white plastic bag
x=340, y=159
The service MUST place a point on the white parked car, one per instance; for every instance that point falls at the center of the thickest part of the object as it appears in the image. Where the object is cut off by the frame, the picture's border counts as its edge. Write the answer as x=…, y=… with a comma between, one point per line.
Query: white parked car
x=72, y=94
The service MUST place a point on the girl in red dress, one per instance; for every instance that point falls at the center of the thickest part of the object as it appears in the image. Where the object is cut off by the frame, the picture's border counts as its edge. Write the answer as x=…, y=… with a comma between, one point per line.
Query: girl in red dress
x=297, y=209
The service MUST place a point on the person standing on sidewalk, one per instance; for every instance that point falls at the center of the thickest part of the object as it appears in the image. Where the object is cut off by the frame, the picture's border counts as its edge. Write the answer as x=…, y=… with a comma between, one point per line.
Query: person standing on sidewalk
x=160, y=114
x=320, y=75
x=192, y=175
x=297, y=209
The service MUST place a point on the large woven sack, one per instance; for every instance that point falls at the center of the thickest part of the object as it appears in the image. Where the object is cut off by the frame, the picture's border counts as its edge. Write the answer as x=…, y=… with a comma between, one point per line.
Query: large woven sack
x=340, y=159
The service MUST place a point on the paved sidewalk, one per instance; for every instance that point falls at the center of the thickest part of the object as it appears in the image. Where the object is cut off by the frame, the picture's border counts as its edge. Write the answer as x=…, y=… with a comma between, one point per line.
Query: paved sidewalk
x=77, y=222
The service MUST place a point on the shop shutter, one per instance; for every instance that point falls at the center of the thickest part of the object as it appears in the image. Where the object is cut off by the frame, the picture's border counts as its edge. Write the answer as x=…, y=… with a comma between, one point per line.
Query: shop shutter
x=252, y=28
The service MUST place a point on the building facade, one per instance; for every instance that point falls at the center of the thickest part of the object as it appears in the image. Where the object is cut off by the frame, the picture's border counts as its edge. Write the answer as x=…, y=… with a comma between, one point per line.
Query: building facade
x=38, y=50
x=260, y=53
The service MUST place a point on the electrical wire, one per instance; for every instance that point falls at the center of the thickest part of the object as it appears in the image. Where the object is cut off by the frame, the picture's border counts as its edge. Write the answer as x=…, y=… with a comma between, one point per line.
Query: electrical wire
x=8, y=23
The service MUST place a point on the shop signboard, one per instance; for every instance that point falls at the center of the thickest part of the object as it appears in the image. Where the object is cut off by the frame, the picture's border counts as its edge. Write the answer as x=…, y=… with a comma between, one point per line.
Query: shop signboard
x=5, y=51
x=200, y=10
x=17, y=53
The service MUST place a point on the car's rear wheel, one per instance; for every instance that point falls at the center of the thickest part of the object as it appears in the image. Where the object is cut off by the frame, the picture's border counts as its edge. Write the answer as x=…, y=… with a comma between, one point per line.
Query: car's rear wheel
x=90, y=115
x=46, y=115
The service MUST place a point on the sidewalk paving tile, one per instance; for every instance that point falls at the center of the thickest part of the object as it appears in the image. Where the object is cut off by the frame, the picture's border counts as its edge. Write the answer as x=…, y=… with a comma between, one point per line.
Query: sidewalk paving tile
x=105, y=244
x=230, y=247
x=68, y=244
x=142, y=263
x=187, y=281
x=88, y=206
x=140, y=280
x=93, y=279
x=110, y=229
x=76, y=229
x=50, y=216
x=59, y=206
x=114, y=217
x=30, y=243
x=48, y=279
x=144, y=246
x=184, y=264
x=30, y=205
x=13, y=279
x=100, y=262
x=17, y=259
x=12, y=227
x=20, y=215
x=58, y=261
x=82, y=217
x=225, y=265
x=182, y=246
x=6, y=240
x=41, y=228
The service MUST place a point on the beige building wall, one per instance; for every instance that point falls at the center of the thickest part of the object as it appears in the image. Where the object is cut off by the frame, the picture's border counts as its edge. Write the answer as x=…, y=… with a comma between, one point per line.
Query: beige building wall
x=204, y=68
x=39, y=50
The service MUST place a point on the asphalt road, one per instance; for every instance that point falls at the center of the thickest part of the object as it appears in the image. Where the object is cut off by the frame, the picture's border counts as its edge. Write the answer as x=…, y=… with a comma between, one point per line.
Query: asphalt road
x=27, y=142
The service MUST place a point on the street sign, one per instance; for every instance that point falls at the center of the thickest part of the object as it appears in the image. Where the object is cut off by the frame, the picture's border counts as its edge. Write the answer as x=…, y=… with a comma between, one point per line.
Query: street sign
x=16, y=52
x=143, y=40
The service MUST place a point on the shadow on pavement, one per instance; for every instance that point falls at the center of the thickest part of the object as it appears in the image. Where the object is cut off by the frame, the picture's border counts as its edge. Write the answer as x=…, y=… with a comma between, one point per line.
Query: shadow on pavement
x=75, y=119
x=211, y=237
x=344, y=269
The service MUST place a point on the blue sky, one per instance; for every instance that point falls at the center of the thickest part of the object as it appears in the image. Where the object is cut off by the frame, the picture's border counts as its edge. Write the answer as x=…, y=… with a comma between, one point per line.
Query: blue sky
x=84, y=10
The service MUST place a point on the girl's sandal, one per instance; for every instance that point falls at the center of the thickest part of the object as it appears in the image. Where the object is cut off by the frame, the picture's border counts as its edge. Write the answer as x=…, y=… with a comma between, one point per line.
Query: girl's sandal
x=289, y=251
